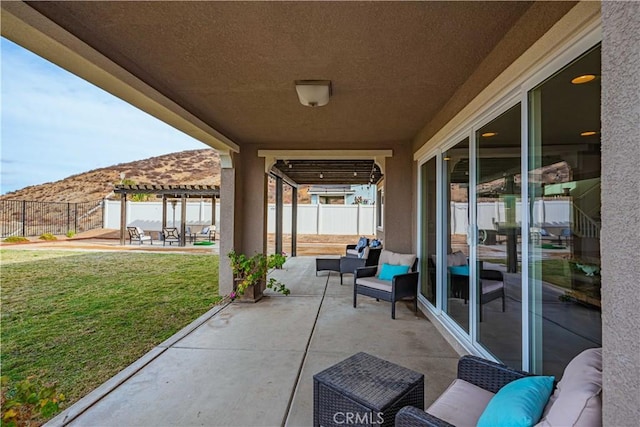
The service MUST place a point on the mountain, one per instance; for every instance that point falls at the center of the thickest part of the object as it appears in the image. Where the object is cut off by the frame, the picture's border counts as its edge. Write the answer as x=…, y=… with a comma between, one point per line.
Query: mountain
x=193, y=167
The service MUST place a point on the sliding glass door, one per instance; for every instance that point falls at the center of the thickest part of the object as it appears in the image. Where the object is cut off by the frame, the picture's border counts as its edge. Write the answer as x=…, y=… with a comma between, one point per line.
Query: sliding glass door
x=498, y=278
x=513, y=261
x=428, y=230
x=455, y=220
x=564, y=204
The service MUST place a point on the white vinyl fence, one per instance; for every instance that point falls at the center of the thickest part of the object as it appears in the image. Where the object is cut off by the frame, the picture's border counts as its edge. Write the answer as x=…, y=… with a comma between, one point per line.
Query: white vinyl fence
x=148, y=215
x=545, y=213
x=331, y=219
x=327, y=219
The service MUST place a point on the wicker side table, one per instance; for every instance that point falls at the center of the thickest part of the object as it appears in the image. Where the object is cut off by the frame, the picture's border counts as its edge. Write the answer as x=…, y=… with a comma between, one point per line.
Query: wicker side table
x=330, y=264
x=364, y=390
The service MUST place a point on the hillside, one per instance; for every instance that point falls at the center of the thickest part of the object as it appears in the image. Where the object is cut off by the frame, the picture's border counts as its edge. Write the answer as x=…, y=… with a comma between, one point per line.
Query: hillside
x=183, y=168
x=193, y=167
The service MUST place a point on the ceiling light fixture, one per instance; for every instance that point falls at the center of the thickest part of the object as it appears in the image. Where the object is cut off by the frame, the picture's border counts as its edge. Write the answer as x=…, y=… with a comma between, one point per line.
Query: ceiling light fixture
x=489, y=134
x=313, y=93
x=321, y=175
x=355, y=173
x=586, y=78
x=588, y=133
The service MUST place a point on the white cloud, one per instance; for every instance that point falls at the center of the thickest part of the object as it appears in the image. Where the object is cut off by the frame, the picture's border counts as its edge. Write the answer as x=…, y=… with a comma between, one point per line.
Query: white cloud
x=55, y=124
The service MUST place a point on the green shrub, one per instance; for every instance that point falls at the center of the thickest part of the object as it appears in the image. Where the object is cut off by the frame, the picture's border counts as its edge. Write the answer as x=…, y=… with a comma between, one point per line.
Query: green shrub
x=28, y=402
x=71, y=233
x=47, y=236
x=14, y=239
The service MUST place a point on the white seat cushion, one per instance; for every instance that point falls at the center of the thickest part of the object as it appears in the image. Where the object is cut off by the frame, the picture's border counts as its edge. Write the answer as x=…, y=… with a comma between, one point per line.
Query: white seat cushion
x=461, y=404
x=374, y=282
x=353, y=252
x=456, y=258
x=577, y=400
x=491, y=285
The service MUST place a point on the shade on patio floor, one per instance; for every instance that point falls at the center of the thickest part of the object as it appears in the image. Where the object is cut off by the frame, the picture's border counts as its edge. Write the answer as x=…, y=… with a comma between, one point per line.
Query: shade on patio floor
x=253, y=364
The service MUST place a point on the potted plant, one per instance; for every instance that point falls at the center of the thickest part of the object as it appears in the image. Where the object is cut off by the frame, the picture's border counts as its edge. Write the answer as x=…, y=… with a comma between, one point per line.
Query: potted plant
x=250, y=275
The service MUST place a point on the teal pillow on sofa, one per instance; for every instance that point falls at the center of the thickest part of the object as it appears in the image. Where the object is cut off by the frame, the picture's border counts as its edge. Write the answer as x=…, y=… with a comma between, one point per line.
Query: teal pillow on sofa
x=519, y=403
x=388, y=271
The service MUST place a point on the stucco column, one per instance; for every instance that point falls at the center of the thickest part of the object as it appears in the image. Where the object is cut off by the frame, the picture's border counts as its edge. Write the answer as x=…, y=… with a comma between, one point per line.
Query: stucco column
x=227, y=223
x=620, y=243
x=279, y=214
x=398, y=200
x=243, y=209
x=254, y=201
x=294, y=221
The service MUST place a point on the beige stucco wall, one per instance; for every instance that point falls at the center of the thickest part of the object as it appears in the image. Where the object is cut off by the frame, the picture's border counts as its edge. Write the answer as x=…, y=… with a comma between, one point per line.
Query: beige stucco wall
x=620, y=243
x=398, y=233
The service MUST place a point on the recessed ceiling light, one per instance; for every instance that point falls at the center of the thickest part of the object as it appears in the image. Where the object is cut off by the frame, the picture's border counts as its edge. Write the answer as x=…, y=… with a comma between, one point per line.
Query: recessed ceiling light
x=583, y=79
x=489, y=134
x=588, y=133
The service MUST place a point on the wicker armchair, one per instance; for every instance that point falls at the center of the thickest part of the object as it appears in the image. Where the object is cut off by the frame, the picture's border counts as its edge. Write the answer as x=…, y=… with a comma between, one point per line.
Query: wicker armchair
x=349, y=264
x=401, y=286
x=483, y=373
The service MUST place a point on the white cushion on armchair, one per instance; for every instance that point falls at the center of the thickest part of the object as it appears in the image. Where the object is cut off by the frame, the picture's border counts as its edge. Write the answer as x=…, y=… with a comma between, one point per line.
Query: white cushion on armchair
x=394, y=258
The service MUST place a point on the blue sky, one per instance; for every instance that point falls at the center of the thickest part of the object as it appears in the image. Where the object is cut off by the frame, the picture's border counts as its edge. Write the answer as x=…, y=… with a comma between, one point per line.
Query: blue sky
x=55, y=124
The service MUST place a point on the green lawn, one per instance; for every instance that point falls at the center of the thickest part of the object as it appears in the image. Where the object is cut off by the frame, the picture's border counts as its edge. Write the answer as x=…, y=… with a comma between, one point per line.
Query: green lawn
x=77, y=318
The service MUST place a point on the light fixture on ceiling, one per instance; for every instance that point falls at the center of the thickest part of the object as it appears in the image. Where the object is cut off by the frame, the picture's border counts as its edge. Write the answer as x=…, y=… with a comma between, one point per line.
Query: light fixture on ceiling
x=321, y=175
x=290, y=165
x=586, y=78
x=489, y=134
x=355, y=173
x=589, y=133
x=313, y=93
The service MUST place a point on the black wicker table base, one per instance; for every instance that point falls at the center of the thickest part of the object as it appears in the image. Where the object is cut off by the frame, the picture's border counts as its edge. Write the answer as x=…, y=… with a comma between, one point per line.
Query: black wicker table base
x=364, y=390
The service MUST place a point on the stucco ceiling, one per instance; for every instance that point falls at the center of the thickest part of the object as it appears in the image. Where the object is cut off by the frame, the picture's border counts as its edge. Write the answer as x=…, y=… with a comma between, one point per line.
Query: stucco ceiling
x=233, y=64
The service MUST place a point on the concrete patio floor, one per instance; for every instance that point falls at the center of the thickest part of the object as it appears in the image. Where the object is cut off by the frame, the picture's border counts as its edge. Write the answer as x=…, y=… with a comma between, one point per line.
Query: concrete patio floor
x=253, y=364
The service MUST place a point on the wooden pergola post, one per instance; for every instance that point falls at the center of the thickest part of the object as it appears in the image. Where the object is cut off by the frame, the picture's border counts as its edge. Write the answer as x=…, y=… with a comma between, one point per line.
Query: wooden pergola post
x=183, y=220
x=123, y=217
x=213, y=210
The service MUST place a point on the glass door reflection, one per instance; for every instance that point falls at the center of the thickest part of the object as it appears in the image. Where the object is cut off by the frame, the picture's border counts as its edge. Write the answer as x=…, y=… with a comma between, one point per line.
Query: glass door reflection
x=498, y=203
x=456, y=225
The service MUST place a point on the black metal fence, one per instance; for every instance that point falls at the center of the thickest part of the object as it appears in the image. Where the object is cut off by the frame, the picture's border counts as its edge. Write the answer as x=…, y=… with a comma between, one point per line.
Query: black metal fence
x=25, y=218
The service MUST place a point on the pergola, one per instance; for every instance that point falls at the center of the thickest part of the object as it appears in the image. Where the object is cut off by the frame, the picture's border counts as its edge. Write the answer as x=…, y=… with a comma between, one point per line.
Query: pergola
x=182, y=192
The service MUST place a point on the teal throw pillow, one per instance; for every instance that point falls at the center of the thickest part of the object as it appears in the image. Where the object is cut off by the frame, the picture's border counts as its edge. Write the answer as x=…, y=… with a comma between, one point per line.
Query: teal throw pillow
x=519, y=403
x=459, y=270
x=388, y=271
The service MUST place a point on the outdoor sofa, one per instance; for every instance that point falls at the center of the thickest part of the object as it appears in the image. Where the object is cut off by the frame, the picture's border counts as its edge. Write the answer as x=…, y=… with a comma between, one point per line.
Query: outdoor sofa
x=487, y=394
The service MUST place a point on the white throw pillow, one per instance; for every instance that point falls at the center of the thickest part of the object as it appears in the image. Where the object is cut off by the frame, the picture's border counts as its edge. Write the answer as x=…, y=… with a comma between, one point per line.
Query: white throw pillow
x=577, y=400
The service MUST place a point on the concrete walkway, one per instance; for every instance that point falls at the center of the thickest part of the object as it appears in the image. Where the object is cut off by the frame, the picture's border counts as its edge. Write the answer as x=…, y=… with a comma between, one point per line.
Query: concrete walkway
x=253, y=364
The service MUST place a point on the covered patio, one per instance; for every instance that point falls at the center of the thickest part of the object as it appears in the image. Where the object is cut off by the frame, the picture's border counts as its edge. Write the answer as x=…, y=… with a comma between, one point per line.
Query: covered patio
x=407, y=82
x=253, y=364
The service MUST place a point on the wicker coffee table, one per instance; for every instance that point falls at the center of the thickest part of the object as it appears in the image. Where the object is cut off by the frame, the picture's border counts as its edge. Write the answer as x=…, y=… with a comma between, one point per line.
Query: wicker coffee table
x=364, y=390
